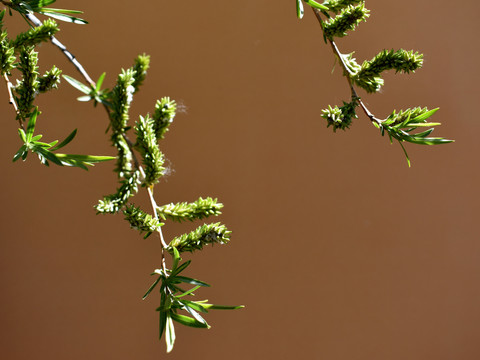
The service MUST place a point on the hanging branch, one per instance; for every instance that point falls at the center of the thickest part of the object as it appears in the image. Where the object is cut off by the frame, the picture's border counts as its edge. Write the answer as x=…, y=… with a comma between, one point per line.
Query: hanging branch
x=148, y=131
x=342, y=16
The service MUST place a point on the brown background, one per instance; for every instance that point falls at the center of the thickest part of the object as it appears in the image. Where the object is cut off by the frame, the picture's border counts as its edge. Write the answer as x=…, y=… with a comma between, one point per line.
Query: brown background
x=340, y=251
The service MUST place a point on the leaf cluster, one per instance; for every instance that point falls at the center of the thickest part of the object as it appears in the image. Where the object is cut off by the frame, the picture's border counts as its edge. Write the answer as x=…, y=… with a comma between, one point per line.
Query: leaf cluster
x=45, y=151
x=39, y=6
x=402, y=126
x=342, y=16
x=174, y=299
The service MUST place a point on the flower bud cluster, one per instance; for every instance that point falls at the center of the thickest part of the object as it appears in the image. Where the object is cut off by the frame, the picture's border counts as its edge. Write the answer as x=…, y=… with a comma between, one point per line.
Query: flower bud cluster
x=206, y=234
x=141, y=221
x=165, y=110
x=347, y=20
x=147, y=145
x=115, y=202
x=197, y=210
x=340, y=117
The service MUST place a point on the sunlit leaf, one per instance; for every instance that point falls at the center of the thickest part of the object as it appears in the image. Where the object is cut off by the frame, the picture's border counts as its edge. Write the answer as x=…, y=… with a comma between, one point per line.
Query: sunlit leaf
x=188, y=321
x=67, y=140
x=77, y=84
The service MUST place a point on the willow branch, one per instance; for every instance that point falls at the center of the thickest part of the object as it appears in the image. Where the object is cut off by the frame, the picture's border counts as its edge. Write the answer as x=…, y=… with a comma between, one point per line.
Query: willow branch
x=36, y=22
x=348, y=73
x=12, y=99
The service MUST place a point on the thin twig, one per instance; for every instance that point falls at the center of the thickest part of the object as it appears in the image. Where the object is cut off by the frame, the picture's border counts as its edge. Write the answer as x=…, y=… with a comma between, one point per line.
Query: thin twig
x=12, y=99
x=159, y=231
x=36, y=22
x=348, y=73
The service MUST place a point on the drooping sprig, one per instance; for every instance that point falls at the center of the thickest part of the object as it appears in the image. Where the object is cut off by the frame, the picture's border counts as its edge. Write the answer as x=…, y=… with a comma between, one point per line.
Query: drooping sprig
x=337, y=18
x=47, y=151
x=148, y=131
x=173, y=299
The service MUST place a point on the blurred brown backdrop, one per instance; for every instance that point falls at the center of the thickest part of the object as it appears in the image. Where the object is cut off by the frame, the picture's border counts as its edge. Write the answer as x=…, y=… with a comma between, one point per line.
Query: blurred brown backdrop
x=340, y=251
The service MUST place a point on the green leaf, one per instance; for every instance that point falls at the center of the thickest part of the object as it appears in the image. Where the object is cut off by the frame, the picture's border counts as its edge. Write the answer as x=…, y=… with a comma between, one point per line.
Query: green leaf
x=31, y=126
x=87, y=159
x=21, y=153
x=195, y=314
x=190, y=281
x=188, y=292
x=300, y=10
x=47, y=155
x=37, y=4
x=316, y=5
x=170, y=332
x=194, y=305
x=406, y=154
x=176, y=258
x=424, y=133
x=53, y=143
x=62, y=14
x=22, y=134
x=425, y=116
x=151, y=288
x=180, y=268
x=100, y=82
x=222, y=307
x=427, y=141
x=188, y=321
x=77, y=84
x=422, y=124
x=67, y=140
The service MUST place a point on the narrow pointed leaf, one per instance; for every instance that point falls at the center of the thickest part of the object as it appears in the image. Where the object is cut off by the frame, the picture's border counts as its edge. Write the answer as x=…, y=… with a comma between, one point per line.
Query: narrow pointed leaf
x=195, y=314
x=181, y=268
x=88, y=159
x=426, y=115
x=151, y=288
x=300, y=10
x=67, y=140
x=424, y=133
x=176, y=258
x=423, y=124
x=77, y=84
x=222, y=307
x=47, y=155
x=188, y=292
x=188, y=321
x=22, y=134
x=316, y=5
x=100, y=82
x=169, y=332
x=31, y=126
x=191, y=281
x=20, y=153
x=61, y=14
